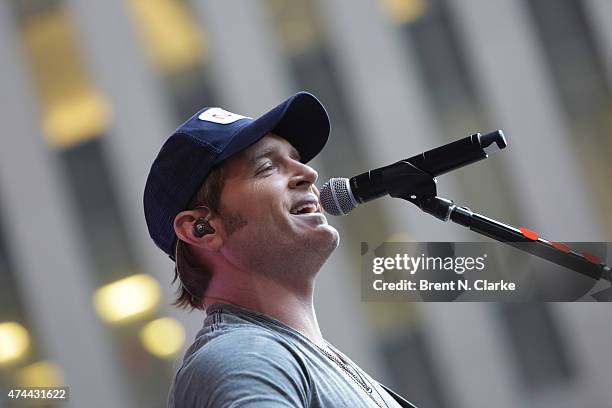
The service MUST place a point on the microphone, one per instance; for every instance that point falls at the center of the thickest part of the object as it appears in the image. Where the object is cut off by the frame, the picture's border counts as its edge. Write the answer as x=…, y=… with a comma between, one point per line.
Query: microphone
x=339, y=196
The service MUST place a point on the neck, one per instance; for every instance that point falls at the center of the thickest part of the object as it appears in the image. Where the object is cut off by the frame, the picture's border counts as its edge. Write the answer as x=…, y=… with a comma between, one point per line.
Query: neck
x=254, y=291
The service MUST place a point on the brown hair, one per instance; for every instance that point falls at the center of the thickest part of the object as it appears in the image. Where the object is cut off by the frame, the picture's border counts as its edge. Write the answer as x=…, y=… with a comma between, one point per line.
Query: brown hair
x=194, y=278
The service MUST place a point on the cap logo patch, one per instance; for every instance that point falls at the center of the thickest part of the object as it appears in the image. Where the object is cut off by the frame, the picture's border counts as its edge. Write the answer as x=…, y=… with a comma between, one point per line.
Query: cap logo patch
x=221, y=116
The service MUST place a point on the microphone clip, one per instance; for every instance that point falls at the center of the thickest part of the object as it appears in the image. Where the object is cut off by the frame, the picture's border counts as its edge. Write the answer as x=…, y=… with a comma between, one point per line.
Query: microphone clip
x=406, y=181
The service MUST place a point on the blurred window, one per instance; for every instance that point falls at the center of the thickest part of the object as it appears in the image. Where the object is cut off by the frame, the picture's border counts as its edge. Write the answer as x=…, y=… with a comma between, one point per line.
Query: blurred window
x=429, y=30
x=536, y=345
x=19, y=345
x=409, y=361
x=578, y=72
x=178, y=48
x=75, y=117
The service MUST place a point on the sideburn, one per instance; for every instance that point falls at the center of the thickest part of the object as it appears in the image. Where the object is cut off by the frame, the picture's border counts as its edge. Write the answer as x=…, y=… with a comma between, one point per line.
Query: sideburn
x=233, y=222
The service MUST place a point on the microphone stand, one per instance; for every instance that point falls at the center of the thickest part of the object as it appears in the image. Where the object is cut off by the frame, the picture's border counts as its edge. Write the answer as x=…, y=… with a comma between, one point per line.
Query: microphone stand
x=410, y=183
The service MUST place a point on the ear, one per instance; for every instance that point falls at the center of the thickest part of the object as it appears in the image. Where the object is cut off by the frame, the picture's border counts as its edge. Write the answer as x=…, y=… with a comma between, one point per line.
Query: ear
x=184, y=224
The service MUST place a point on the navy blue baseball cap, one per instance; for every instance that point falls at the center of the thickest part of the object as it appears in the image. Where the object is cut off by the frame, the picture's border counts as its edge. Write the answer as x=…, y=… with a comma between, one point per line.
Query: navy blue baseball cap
x=213, y=135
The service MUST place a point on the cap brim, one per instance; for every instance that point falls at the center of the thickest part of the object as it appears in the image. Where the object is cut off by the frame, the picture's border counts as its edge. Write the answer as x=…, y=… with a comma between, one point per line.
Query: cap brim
x=301, y=120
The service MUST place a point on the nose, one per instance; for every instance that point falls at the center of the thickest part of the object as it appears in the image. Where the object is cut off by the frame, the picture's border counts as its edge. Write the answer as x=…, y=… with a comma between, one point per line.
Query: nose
x=304, y=176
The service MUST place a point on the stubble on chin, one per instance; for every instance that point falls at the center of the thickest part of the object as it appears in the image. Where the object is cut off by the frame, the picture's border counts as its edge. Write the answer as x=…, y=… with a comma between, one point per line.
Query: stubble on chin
x=284, y=261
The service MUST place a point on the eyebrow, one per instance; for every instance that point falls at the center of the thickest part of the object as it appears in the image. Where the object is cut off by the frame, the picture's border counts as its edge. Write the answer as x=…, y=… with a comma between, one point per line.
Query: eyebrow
x=271, y=150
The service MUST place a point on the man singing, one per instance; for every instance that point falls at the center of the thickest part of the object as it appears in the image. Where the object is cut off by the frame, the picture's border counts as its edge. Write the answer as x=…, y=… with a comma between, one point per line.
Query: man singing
x=230, y=199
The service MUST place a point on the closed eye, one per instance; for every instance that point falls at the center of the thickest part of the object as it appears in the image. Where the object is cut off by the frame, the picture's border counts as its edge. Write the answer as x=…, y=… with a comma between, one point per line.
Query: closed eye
x=264, y=169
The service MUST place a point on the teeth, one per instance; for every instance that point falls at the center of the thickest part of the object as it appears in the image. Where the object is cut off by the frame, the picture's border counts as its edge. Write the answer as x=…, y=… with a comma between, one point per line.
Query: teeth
x=302, y=207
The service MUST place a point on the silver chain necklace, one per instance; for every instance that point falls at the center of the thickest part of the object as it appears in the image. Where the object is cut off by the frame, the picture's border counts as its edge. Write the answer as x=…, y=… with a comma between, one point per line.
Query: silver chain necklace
x=352, y=372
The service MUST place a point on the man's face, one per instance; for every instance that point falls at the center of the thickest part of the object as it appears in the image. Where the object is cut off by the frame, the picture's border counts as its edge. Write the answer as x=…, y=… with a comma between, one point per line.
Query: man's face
x=270, y=208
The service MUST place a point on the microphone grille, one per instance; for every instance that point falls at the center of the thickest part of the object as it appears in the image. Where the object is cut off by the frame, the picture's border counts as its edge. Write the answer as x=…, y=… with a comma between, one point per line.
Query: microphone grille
x=336, y=197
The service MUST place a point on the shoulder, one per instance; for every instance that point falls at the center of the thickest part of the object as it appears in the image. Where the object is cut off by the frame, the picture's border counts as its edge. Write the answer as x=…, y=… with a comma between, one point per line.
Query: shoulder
x=246, y=362
x=243, y=345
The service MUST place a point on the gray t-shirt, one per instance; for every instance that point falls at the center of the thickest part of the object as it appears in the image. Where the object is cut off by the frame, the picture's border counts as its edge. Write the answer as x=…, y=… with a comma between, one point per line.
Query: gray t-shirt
x=242, y=358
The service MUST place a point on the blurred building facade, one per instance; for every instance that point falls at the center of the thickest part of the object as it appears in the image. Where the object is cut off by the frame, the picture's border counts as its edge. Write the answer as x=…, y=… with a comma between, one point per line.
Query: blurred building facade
x=90, y=89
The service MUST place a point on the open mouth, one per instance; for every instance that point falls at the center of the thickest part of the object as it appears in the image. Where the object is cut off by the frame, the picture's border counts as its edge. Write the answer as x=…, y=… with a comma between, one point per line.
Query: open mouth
x=306, y=208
